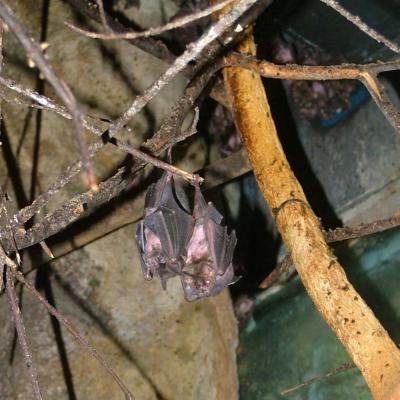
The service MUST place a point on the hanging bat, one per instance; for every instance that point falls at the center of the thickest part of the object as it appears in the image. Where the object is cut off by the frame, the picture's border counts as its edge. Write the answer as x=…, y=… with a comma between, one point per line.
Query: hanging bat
x=207, y=269
x=172, y=241
x=165, y=231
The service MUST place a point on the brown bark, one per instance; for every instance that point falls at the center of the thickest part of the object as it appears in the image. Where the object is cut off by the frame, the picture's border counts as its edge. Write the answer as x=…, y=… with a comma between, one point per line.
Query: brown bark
x=341, y=306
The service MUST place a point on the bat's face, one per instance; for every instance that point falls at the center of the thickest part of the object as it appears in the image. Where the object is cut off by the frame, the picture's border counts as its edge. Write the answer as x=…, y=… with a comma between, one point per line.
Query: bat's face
x=172, y=241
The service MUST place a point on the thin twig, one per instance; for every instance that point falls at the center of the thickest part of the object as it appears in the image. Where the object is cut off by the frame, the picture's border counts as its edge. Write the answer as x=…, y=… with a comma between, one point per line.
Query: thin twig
x=357, y=21
x=149, y=45
x=177, y=23
x=106, y=189
x=333, y=236
x=159, y=50
x=342, y=368
x=363, y=229
x=35, y=53
x=102, y=14
x=20, y=328
x=69, y=327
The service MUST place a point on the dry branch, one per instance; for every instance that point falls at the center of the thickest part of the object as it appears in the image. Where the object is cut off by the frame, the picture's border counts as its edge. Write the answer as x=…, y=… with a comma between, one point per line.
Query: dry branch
x=149, y=45
x=367, y=74
x=356, y=20
x=20, y=328
x=192, y=52
x=347, y=314
x=318, y=378
x=167, y=135
x=159, y=50
x=35, y=53
x=332, y=236
x=11, y=266
x=177, y=23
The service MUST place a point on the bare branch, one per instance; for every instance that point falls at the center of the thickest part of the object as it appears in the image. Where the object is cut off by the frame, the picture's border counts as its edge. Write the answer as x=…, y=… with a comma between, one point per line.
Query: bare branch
x=364, y=229
x=35, y=53
x=102, y=14
x=332, y=236
x=69, y=327
x=191, y=53
x=75, y=207
x=149, y=45
x=281, y=269
x=159, y=50
x=20, y=327
x=342, y=368
x=366, y=74
x=356, y=20
x=152, y=31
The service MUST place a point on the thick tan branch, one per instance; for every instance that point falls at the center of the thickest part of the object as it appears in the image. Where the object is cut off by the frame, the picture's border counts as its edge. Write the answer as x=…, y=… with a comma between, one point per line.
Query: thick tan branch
x=347, y=314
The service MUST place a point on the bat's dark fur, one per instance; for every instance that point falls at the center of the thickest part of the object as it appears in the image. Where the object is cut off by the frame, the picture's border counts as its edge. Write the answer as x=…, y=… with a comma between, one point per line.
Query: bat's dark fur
x=172, y=241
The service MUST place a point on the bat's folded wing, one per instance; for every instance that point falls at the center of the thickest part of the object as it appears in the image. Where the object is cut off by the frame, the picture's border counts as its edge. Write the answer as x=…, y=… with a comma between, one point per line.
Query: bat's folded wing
x=174, y=228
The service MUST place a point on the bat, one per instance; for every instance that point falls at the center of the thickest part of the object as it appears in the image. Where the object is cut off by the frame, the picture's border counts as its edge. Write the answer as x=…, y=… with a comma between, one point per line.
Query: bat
x=173, y=241
x=208, y=268
x=163, y=234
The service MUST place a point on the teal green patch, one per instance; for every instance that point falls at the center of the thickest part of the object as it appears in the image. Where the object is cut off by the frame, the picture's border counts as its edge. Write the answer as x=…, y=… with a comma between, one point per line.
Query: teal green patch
x=287, y=342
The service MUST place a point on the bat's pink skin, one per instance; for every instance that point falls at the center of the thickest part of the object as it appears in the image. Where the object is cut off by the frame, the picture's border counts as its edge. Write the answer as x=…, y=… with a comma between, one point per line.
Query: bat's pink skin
x=151, y=253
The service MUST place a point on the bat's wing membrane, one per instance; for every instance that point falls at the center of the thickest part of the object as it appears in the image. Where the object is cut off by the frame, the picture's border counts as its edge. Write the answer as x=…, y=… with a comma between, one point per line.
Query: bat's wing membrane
x=221, y=245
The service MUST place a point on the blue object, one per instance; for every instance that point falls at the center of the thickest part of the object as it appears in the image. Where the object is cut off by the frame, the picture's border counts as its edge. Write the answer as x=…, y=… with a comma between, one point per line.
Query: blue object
x=358, y=97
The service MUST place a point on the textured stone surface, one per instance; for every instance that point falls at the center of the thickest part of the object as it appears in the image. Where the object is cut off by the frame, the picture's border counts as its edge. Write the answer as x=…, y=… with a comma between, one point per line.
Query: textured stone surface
x=160, y=345
x=356, y=162
x=184, y=348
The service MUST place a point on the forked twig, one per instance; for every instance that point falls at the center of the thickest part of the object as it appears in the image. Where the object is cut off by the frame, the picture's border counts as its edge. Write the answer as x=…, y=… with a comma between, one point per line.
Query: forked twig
x=177, y=23
x=20, y=327
x=69, y=327
x=366, y=74
x=359, y=23
x=35, y=53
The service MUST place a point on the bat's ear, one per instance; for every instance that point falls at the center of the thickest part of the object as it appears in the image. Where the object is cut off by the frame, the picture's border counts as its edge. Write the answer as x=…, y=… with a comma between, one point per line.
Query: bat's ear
x=200, y=204
x=155, y=193
x=181, y=196
x=203, y=209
